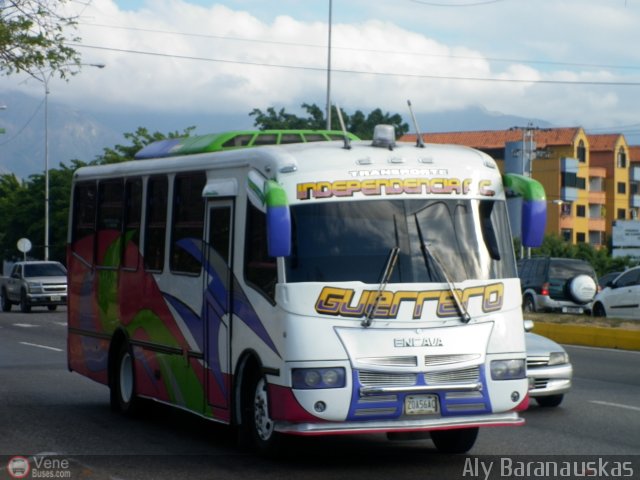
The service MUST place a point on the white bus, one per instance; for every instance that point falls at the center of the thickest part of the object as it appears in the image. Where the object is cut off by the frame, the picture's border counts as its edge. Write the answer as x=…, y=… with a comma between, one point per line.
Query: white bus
x=305, y=289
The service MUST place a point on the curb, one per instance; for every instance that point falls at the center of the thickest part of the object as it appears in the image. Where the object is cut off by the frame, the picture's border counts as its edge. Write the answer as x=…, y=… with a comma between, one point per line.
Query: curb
x=606, y=337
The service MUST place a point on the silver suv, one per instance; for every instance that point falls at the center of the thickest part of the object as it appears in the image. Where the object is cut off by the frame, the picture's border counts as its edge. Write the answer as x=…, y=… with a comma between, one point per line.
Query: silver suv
x=551, y=284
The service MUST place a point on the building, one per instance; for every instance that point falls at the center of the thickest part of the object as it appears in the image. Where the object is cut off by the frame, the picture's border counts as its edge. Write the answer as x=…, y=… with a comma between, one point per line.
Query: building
x=587, y=178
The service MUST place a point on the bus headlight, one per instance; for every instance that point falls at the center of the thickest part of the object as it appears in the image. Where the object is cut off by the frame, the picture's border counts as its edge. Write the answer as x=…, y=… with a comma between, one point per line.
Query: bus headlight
x=308, y=378
x=508, y=369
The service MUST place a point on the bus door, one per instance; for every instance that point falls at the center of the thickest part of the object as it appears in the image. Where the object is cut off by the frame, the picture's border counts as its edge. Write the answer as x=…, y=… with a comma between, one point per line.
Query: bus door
x=218, y=280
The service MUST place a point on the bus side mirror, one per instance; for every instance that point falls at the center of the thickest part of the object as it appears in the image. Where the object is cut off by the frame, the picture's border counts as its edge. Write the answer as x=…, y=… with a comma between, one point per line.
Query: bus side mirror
x=278, y=221
x=534, y=207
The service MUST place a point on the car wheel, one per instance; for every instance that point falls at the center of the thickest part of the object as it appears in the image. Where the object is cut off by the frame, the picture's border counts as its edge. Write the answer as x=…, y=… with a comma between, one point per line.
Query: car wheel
x=550, y=401
x=6, y=304
x=257, y=430
x=454, y=441
x=24, y=302
x=123, y=386
x=582, y=289
x=528, y=304
x=599, y=311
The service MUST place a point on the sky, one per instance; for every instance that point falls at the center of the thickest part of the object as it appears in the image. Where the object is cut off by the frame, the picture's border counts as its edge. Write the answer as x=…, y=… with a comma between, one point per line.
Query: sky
x=569, y=62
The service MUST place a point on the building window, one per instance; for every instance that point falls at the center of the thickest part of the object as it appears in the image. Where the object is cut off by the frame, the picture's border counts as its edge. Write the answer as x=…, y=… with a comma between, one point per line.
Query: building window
x=622, y=158
x=622, y=187
x=580, y=237
x=581, y=211
x=621, y=214
x=568, y=179
x=565, y=209
x=567, y=234
x=582, y=152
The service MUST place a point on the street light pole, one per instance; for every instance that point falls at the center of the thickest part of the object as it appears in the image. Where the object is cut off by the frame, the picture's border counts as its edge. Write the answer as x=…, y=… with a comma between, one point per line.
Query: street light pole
x=46, y=165
x=45, y=81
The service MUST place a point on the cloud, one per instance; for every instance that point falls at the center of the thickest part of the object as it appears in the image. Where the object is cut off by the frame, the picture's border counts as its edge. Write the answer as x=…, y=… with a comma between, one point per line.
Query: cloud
x=171, y=55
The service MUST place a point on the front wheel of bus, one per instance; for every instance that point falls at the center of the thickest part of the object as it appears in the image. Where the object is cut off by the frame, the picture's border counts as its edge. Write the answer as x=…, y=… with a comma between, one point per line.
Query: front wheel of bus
x=454, y=441
x=257, y=426
x=123, y=387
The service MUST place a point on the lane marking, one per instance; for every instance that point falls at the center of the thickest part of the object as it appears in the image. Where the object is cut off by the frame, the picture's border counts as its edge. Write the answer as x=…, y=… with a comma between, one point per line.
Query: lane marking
x=23, y=325
x=42, y=346
x=619, y=405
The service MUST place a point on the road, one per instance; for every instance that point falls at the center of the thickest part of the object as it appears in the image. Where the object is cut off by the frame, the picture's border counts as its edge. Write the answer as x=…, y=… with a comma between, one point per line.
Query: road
x=49, y=413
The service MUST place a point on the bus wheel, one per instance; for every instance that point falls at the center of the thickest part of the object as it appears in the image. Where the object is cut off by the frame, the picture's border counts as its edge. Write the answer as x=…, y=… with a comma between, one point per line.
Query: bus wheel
x=257, y=427
x=454, y=441
x=550, y=401
x=123, y=387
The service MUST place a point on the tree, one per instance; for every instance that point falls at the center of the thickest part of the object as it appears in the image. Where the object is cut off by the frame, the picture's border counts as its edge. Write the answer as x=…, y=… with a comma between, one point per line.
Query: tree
x=32, y=38
x=22, y=202
x=359, y=124
x=599, y=258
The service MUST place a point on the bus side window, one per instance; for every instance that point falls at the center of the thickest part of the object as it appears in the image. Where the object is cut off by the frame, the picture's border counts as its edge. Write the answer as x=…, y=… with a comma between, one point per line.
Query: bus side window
x=110, y=212
x=187, y=223
x=259, y=268
x=132, y=220
x=84, y=220
x=156, y=224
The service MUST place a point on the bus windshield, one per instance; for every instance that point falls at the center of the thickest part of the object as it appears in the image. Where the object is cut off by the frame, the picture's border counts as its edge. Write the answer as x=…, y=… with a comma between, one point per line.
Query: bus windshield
x=350, y=241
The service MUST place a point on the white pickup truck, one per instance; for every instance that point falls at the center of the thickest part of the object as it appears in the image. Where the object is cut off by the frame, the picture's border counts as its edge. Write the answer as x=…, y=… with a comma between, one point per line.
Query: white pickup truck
x=34, y=283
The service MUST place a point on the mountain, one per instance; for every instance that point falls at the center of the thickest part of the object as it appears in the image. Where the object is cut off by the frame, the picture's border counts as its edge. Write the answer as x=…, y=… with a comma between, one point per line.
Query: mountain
x=76, y=132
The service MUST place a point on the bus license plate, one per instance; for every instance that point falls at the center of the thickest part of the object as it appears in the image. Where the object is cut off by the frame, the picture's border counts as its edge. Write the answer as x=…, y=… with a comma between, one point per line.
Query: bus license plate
x=55, y=298
x=420, y=404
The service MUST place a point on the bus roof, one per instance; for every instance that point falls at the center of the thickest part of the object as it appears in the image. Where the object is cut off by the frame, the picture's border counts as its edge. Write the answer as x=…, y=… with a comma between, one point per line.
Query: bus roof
x=214, y=142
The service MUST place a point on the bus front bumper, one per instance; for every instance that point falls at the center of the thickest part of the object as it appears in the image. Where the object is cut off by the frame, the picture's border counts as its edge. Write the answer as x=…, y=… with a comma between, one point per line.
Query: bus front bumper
x=407, y=425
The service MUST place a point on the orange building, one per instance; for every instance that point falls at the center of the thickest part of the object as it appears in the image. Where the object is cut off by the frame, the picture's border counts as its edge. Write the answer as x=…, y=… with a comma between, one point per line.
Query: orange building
x=561, y=159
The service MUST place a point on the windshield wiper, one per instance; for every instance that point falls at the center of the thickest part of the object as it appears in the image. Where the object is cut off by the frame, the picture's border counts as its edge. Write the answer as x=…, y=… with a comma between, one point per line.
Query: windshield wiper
x=427, y=251
x=386, y=276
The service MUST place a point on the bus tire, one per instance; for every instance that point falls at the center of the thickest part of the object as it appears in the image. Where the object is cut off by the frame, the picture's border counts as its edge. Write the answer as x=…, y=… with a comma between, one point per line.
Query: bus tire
x=257, y=429
x=123, y=386
x=459, y=440
x=6, y=303
x=550, y=401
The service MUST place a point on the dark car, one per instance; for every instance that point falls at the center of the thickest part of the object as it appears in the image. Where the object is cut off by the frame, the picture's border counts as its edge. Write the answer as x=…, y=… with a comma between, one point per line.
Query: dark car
x=551, y=284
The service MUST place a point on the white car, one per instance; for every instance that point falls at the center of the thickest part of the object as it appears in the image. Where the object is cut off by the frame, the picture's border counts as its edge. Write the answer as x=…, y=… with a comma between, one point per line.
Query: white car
x=548, y=369
x=621, y=297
